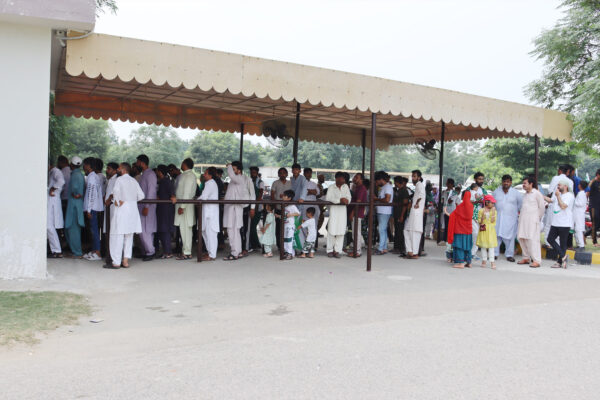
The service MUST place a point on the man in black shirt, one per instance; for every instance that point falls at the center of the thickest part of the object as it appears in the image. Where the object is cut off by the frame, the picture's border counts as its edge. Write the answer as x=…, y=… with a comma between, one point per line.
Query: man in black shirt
x=595, y=205
x=401, y=199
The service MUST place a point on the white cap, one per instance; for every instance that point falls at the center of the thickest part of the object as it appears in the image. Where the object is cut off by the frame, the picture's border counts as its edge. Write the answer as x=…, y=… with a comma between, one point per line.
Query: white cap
x=76, y=161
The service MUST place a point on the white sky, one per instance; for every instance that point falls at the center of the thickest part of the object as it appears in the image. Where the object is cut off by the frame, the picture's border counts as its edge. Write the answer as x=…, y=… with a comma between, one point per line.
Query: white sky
x=473, y=46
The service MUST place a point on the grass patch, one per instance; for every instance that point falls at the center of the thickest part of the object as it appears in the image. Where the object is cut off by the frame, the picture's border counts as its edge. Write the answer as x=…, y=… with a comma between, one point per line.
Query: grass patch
x=23, y=314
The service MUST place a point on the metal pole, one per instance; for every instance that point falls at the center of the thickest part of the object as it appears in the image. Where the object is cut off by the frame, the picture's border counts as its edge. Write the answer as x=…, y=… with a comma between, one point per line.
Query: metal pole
x=364, y=145
x=199, y=225
x=241, y=142
x=371, y=190
x=536, y=163
x=297, y=132
x=281, y=225
x=440, y=201
x=107, y=233
x=355, y=232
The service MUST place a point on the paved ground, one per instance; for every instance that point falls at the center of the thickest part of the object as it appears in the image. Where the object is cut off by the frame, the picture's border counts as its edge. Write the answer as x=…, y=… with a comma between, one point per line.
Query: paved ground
x=326, y=329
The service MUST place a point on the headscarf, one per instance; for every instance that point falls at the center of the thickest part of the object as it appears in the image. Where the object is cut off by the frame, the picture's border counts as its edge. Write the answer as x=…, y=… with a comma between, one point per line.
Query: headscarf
x=460, y=219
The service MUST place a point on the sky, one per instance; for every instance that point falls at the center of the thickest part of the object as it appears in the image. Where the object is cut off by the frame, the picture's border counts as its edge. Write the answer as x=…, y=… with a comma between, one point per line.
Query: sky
x=473, y=46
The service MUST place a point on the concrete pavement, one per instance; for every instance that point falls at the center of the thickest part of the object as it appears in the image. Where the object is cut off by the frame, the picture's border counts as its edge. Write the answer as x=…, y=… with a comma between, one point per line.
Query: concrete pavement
x=322, y=328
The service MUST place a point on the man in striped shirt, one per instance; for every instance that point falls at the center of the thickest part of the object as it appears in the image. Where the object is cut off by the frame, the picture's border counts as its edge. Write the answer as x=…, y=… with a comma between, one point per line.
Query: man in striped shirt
x=92, y=205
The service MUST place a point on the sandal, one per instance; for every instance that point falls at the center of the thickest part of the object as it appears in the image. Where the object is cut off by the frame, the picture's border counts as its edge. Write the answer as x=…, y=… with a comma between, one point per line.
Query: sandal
x=56, y=255
x=207, y=258
x=230, y=258
x=124, y=266
x=166, y=256
x=461, y=266
x=111, y=266
x=268, y=255
x=183, y=257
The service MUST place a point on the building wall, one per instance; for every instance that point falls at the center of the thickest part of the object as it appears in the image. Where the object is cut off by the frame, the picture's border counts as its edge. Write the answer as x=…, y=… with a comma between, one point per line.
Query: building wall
x=24, y=103
x=71, y=14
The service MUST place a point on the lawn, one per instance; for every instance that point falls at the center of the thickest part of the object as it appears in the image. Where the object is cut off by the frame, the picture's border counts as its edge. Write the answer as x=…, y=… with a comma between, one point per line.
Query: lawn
x=24, y=314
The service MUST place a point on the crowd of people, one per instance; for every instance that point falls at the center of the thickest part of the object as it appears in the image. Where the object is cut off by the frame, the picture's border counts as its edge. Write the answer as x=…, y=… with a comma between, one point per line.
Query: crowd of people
x=79, y=194
x=478, y=219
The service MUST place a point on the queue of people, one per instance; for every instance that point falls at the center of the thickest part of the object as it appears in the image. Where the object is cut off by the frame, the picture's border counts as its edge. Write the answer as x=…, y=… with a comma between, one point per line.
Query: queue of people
x=473, y=220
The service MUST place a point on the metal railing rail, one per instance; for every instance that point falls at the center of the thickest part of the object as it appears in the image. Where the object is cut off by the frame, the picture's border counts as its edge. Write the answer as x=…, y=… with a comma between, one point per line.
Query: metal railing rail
x=198, y=206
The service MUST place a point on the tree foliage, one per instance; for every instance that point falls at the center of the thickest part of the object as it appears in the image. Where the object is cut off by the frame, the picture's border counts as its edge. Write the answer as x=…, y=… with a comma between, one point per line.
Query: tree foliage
x=224, y=147
x=161, y=144
x=519, y=155
x=571, y=78
x=103, y=5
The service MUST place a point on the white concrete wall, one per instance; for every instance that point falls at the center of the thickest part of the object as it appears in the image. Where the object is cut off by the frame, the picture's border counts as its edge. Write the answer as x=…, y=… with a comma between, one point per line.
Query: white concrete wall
x=24, y=107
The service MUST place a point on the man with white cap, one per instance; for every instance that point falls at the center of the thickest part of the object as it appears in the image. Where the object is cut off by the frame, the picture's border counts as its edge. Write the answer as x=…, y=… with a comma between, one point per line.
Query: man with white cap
x=74, y=215
x=125, y=220
x=562, y=170
x=56, y=182
x=562, y=219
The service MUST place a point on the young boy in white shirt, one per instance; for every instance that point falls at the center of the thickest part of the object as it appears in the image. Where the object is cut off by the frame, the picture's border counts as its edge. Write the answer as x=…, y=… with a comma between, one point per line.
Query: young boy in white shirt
x=310, y=226
x=289, y=227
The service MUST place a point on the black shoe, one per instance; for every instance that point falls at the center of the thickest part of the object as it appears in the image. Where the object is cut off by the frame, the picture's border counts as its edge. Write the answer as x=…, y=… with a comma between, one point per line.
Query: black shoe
x=148, y=258
x=495, y=258
x=510, y=259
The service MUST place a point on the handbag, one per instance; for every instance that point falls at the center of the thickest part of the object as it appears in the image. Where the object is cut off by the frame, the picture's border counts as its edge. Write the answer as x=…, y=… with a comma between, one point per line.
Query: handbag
x=482, y=228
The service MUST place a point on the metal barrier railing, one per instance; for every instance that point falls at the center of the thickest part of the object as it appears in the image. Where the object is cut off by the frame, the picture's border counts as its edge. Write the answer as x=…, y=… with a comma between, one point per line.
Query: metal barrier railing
x=198, y=206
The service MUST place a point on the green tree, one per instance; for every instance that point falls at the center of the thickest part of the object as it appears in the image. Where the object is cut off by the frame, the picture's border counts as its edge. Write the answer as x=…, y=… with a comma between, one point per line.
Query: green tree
x=89, y=138
x=224, y=147
x=160, y=143
x=519, y=154
x=103, y=5
x=571, y=78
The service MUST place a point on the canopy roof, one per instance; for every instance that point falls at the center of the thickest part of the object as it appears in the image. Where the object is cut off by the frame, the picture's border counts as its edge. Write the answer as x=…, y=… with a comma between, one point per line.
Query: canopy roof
x=111, y=77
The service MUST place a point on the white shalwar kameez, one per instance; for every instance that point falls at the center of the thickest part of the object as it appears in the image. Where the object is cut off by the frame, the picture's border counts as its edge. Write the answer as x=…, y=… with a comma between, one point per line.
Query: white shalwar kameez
x=238, y=189
x=579, y=217
x=508, y=206
x=210, y=218
x=55, y=219
x=125, y=220
x=413, y=228
x=549, y=211
x=336, y=225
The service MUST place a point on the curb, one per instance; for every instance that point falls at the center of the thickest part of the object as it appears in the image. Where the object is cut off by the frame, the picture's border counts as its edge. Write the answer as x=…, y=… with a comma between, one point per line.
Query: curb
x=582, y=257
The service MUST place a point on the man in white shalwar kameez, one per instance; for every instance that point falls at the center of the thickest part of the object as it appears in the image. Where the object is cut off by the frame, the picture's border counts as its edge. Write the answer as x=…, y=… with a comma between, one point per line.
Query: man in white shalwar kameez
x=508, y=204
x=532, y=211
x=562, y=171
x=185, y=214
x=413, y=227
x=233, y=214
x=336, y=225
x=210, y=214
x=56, y=182
x=125, y=220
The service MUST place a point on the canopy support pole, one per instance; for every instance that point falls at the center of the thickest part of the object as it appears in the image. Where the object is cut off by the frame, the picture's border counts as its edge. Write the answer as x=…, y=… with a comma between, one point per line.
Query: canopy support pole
x=536, y=163
x=297, y=132
x=440, y=200
x=364, y=145
x=241, y=142
x=371, y=190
